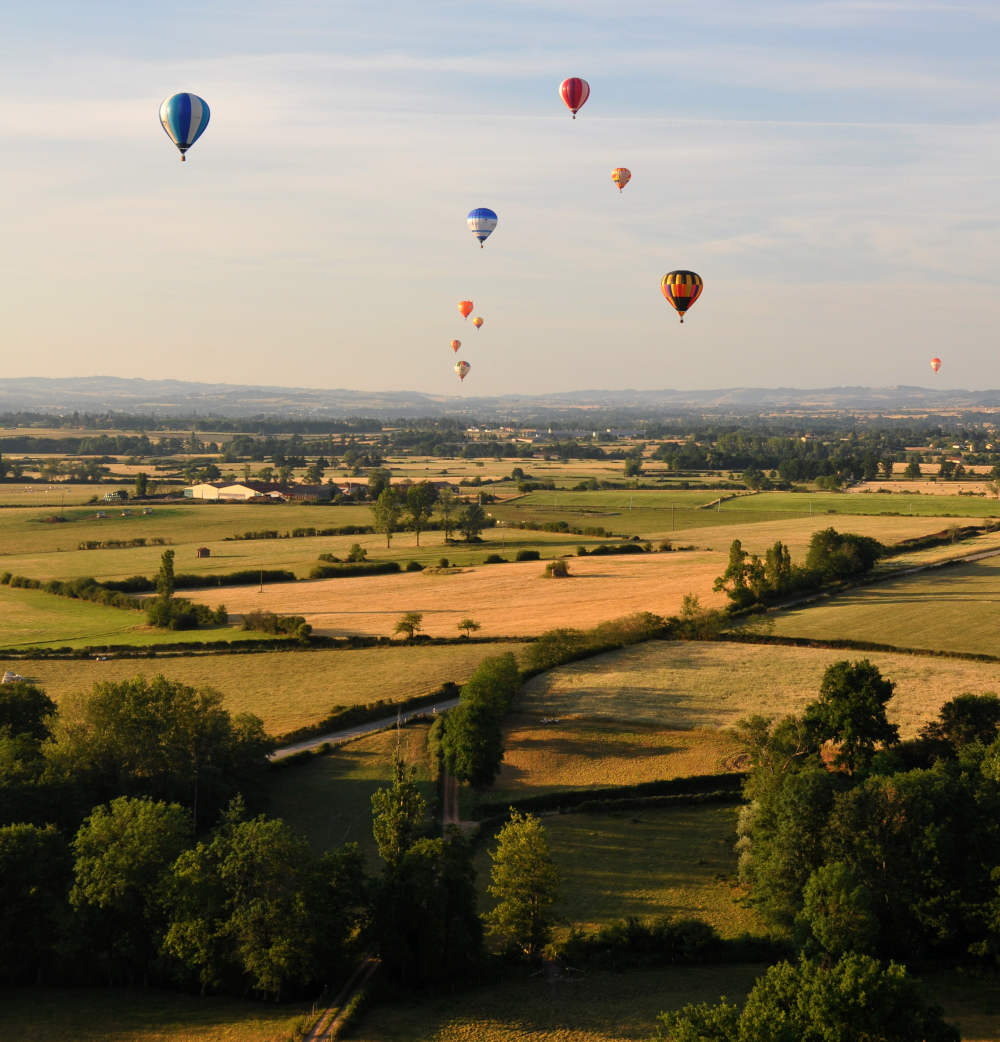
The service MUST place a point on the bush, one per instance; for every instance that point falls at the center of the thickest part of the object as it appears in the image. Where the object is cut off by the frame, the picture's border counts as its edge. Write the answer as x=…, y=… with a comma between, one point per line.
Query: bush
x=268, y=622
x=443, y=562
x=556, y=570
x=666, y=546
x=495, y=559
x=556, y=647
x=527, y=555
x=5, y=578
x=632, y=944
x=413, y=566
x=341, y=571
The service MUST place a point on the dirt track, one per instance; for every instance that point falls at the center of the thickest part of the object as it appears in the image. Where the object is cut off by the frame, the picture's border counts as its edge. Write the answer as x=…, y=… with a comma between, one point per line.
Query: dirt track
x=507, y=599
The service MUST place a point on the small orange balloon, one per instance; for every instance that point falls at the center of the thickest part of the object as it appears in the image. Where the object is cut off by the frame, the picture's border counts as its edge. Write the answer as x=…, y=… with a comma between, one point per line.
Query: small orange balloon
x=465, y=306
x=935, y=364
x=455, y=345
x=621, y=176
x=477, y=322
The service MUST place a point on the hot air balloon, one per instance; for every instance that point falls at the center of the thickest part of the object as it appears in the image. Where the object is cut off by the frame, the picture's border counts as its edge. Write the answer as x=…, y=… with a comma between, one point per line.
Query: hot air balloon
x=184, y=118
x=574, y=93
x=682, y=289
x=935, y=364
x=478, y=322
x=465, y=306
x=621, y=176
x=455, y=345
x=462, y=368
x=482, y=221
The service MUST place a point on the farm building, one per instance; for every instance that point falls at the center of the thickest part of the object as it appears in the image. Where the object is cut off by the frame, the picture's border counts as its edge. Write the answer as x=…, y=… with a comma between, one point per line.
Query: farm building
x=203, y=551
x=242, y=491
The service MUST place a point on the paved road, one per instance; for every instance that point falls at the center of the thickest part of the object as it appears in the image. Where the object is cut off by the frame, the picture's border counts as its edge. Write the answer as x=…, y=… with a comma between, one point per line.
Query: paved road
x=355, y=732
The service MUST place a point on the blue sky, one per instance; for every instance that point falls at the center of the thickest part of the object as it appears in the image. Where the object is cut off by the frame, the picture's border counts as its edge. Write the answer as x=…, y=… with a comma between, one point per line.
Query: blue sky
x=830, y=169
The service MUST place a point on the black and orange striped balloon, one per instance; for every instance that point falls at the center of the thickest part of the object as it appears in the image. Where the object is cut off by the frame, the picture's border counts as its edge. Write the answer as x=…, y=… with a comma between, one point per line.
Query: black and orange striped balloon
x=682, y=289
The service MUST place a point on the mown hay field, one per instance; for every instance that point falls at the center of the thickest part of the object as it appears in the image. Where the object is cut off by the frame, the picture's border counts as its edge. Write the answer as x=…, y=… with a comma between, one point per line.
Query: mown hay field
x=956, y=608
x=583, y=754
x=507, y=599
x=328, y=799
x=286, y=689
x=140, y=1015
x=707, y=684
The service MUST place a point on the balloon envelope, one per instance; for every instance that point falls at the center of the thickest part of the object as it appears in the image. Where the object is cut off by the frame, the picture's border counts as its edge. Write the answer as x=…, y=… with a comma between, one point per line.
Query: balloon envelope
x=478, y=322
x=621, y=176
x=935, y=364
x=574, y=93
x=184, y=118
x=462, y=368
x=455, y=345
x=682, y=289
x=482, y=221
x=465, y=306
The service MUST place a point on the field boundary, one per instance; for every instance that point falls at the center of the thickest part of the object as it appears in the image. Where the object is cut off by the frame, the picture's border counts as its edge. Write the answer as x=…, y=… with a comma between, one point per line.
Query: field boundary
x=564, y=802
x=839, y=644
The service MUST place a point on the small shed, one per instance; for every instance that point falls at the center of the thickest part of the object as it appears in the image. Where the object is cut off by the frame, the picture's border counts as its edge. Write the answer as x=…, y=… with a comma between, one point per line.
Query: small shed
x=203, y=551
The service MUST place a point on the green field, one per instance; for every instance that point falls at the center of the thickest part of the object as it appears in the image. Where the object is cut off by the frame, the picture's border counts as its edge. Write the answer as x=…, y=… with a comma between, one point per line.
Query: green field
x=328, y=798
x=286, y=689
x=956, y=608
x=645, y=863
x=38, y=619
x=140, y=1015
x=711, y=685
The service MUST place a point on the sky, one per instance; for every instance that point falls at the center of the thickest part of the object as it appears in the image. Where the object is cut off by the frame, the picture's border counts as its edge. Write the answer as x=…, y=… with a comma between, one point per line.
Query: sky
x=830, y=169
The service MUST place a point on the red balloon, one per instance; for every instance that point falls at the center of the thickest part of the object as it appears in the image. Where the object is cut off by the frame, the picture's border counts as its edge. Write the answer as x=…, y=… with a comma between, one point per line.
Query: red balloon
x=574, y=93
x=935, y=364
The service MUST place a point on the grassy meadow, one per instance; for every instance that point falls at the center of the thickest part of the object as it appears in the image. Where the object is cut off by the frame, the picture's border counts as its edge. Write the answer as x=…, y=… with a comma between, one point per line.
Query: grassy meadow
x=328, y=798
x=286, y=689
x=141, y=1015
x=644, y=863
x=680, y=684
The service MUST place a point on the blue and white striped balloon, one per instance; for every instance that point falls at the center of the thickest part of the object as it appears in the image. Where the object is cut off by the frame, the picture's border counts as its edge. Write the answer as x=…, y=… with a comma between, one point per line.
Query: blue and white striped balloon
x=184, y=118
x=482, y=221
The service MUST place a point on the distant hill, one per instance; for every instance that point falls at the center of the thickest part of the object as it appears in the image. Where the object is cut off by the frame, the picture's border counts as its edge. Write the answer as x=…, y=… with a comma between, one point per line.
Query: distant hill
x=96, y=394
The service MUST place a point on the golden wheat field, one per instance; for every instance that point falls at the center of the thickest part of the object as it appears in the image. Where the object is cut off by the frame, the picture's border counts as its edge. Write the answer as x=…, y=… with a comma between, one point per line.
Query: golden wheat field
x=286, y=690
x=581, y=754
x=704, y=685
x=507, y=599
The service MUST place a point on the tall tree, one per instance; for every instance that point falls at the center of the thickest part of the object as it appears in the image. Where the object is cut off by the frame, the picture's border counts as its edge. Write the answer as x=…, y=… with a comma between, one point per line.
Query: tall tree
x=400, y=813
x=122, y=852
x=420, y=499
x=35, y=873
x=386, y=514
x=851, y=712
x=141, y=484
x=165, y=578
x=525, y=881
x=472, y=521
x=447, y=504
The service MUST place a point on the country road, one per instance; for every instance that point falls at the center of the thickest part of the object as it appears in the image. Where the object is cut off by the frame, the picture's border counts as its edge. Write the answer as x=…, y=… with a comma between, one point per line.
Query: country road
x=360, y=729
